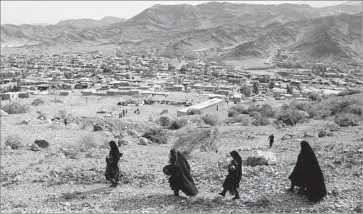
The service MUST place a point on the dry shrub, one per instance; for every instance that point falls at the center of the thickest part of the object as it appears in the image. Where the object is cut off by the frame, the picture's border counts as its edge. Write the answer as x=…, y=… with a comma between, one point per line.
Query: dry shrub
x=347, y=119
x=37, y=102
x=15, y=142
x=291, y=116
x=63, y=114
x=15, y=108
x=178, y=123
x=210, y=119
x=156, y=135
x=87, y=142
x=194, y=111
x=260, y=120
x=236, y=110
x=243, y=119
x=203, y=139
x=57, y=100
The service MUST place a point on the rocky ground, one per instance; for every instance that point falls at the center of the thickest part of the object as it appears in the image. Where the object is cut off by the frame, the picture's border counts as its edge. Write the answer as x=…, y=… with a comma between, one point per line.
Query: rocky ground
x=56, y=180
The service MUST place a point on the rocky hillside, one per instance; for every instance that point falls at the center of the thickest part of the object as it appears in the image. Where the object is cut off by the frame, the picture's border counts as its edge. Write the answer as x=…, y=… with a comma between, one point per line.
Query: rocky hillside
x=331, y=37
x=211, y=29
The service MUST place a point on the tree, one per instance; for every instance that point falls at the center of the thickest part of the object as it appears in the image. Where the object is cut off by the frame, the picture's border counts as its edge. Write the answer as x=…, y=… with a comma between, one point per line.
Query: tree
x=289, y=89
x=271, y=84
x=255, y=87
x=245, y=90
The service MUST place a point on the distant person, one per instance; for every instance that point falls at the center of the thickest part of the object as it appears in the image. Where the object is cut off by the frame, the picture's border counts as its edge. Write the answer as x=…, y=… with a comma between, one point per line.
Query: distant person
x=271, y=138
x=234, y=176
x=112, y=170
x=126, y=111
x=123, y=112
x=65, y=121
x=179, y=171
x=120, y=115
x=307, y=174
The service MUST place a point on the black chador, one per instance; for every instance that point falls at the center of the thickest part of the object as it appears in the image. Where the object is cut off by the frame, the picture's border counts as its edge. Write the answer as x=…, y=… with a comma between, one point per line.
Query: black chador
x=112, y=171
x=179, y=171
x=307, y=174
x=271, y=138
x=234, y=176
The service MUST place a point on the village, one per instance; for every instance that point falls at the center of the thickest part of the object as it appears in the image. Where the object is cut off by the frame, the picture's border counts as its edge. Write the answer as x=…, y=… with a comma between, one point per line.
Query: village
x=150, y=79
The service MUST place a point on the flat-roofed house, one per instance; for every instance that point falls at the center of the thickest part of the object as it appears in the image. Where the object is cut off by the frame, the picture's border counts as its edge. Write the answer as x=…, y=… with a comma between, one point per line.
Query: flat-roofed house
x=208, y=106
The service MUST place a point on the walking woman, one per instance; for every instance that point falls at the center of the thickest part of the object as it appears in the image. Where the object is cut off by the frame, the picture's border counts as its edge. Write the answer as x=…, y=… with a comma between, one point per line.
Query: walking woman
x=234, y=176
x=112, y=173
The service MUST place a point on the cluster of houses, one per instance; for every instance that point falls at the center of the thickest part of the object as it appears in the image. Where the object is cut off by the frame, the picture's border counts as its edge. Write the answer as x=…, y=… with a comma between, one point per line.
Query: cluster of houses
x=97, y=75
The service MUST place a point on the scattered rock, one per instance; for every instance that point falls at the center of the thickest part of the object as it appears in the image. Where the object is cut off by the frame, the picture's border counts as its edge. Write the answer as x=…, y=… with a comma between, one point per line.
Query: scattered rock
x=34, y=147
x=25, y=122
x=322, y=133
x=73, y=126
x=329, y=134
x=143, y=141
x=262, y=158
x=122, y=142
x=3, y=113
x=42, y=143
x=133, y=133
x=333, y=127
x=287, y=137
x=306, y=135
x=97, y=128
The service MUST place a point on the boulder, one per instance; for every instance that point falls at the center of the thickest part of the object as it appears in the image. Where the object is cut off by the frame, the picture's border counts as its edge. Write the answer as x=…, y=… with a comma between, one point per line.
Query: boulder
x=306, y=135
x=25, y=122
x=307, y=115
x=262, y=158
x=322, y=133
x=329, y=134
x=97, y=128
x=34, y=147
x=143, y=141
x=42, y=143
x=123, y=142
x=333, y=127
x=3, y=113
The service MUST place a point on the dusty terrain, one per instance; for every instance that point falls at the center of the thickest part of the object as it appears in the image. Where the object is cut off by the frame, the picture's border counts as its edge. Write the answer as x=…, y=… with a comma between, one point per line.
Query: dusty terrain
x=50, y=181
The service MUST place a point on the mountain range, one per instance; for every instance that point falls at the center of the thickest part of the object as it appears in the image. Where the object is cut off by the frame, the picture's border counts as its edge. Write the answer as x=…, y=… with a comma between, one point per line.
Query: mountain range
x=226, y=30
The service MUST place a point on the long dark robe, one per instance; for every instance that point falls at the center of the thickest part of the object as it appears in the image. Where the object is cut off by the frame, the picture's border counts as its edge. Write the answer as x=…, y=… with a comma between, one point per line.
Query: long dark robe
x=231, y=183
x=179, y=171
x=112, y=170
x=308, y=175
x=271, y=138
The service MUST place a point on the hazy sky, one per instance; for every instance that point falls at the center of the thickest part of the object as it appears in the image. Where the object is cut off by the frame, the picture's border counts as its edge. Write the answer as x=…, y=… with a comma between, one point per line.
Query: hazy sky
x=51, y=12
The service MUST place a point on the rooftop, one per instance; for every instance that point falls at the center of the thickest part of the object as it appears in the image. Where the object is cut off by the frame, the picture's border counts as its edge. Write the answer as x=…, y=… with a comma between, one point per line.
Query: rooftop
x=203, y=104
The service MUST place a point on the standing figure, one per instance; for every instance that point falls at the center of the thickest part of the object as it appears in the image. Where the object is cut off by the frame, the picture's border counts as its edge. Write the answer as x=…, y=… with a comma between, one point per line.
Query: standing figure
x=112, y=171
x=123, y=112
x=234, y=176
x=307, y=174
x=65, y=121
x=179, y=171
x=271, y=138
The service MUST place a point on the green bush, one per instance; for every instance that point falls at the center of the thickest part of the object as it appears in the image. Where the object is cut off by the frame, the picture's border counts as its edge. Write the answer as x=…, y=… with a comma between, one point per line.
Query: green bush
x=178, y=123
x=236, y=110
x=209, y=119
x=347, y=119
x=243, y=119
x=193, y=111
x=156, y=135
x=15, y=108
x=314, y=96
x=291, y=116
x=260, y=120
x=37, y=102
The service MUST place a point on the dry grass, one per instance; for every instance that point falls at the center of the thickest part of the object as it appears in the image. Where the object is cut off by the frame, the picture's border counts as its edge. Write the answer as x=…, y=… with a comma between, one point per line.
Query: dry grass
x=37, y=102
x=210, y=119
x=15, y=108
x=15, y=142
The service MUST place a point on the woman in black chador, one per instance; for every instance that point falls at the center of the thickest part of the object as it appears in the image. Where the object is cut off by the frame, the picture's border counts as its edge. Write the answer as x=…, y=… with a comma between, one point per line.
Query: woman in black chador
x=179, y=171
x=234, y=176
x=112, y=171
x=307, y=174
